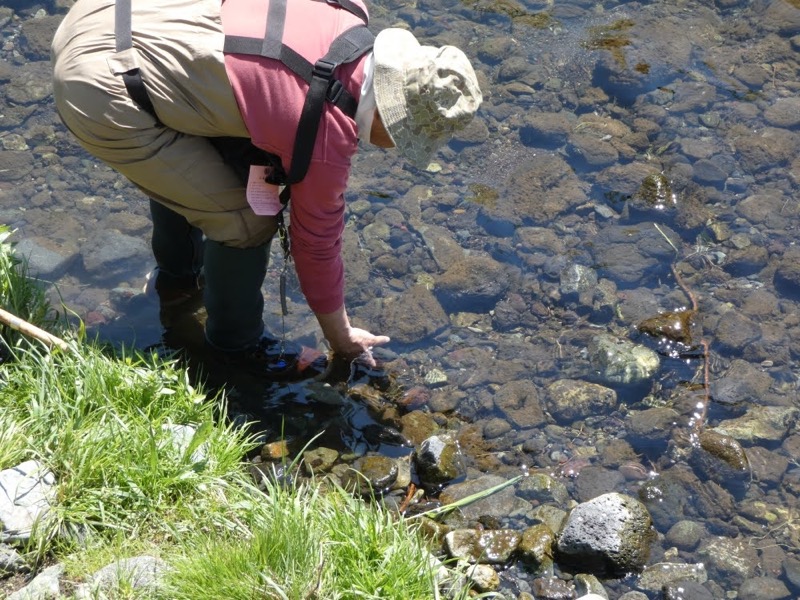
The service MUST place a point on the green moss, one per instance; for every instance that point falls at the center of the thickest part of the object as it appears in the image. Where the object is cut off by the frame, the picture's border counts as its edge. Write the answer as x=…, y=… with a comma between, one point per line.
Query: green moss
x=483, y=195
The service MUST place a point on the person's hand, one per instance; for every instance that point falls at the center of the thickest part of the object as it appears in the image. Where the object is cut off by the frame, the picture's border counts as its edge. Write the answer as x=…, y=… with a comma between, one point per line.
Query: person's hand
x=346, y=341
x=357, y=344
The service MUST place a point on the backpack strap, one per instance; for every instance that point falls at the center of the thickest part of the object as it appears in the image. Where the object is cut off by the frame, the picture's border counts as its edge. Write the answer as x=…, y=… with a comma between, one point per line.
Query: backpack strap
x=124, y=41
x=346, y=48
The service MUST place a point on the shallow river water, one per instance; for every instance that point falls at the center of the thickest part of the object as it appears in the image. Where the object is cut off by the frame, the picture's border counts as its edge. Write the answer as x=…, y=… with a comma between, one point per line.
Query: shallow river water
x=623, y=213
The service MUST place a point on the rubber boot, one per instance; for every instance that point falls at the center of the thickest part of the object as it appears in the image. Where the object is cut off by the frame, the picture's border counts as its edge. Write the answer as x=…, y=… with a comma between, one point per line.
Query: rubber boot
x=177, y=245
x=233, y=297
x=178, y=249
x=235, y=331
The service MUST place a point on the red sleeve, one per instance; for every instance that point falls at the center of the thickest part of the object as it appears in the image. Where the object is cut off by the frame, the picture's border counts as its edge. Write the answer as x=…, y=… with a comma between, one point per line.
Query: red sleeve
x=316, y=224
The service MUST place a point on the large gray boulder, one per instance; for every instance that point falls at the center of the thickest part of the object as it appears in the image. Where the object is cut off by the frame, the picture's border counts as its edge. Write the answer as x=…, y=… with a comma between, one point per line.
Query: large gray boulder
x=608, y=535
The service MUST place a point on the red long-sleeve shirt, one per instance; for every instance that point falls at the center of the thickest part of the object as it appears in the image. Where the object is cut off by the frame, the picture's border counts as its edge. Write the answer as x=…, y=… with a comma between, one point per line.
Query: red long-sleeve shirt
x=270, y=98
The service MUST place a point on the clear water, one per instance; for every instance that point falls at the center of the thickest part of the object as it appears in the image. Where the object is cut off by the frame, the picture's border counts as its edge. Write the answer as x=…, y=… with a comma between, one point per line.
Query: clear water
x=685, y=93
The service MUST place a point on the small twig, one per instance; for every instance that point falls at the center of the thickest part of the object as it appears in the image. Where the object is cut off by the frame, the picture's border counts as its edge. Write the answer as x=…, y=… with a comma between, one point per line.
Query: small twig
x=407, y=500
x=685, y=289
x=701, y=417
x=32, y=330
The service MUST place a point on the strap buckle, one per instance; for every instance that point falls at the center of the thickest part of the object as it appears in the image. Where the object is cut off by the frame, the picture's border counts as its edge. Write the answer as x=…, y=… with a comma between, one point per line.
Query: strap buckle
x=335, y=91
x=323, y=69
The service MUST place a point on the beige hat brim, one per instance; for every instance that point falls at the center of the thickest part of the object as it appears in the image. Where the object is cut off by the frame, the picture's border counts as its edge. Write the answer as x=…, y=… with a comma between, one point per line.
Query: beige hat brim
x=424, y=94
x=393, y=51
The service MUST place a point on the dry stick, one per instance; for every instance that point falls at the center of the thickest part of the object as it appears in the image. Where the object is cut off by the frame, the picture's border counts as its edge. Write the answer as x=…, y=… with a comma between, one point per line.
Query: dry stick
x=32, y=330
x=701, y=417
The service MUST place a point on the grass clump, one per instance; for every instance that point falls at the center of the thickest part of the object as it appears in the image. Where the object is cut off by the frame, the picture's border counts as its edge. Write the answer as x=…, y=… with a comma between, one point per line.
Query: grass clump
x=144, y=462
x=306, y=543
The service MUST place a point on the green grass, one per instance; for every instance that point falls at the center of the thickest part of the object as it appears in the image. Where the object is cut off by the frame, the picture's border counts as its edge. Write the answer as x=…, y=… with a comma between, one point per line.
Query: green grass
x=104, y=422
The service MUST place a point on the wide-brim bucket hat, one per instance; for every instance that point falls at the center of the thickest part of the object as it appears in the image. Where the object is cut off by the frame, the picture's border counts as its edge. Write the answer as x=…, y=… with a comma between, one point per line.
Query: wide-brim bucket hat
x=424, y=94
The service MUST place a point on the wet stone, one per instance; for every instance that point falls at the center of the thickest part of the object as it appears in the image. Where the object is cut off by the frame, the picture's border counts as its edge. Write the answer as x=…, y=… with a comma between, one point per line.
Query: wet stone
x=493, y=546
x=610, y=534
x=725, y=449
x=540, y=189
x=572, y=399
x=785, y=112
x=692, y=96
x=767, y=148
x=496, y=427
x=36, y=36
x=477, y=282
x=740, y=386
x=770, y=208
x=319, y=460
x=764, y=588
x=685, y=535
x=543, y=489
x=15, y=165
x=30, y=85
x=766, y=466
x=371, y=474
x=546, y=129
x=484, y=578
x=792, y=568
x=111, y=256
x=686, y=590
x=43, y=262
x=500, y=504
x=626, y=262
x=787, y=276
x=733, y=560
x=578, y=280
x=438, y=460
x=413, y=316
x=618, y=360
x=589, y=587
x=519, y=401
x=417, y=426
x=656, y=576
x=761, y=424
x=592, y=482
x=734, y=331
x=746, y=261
x=441, y=244
x=545, y=514
x=536, y=547
x=709, y=171
x=752, y=75
x=14, y=142
x=591, y=152
x=552, y=588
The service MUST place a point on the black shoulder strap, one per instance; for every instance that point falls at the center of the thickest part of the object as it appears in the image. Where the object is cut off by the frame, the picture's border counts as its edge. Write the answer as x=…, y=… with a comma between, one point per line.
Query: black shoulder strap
x=124, y=41
x=347, y=47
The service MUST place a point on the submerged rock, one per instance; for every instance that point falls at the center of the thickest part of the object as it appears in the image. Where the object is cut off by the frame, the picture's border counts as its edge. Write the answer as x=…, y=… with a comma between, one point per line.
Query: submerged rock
x=621, y=361
x=572, y=399
x=474, y=282
x=656, y=576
